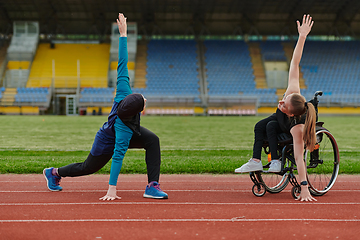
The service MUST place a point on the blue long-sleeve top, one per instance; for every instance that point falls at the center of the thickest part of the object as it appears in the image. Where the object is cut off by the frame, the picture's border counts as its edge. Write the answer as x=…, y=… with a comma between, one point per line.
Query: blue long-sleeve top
x=114, y=133
x=123, y=133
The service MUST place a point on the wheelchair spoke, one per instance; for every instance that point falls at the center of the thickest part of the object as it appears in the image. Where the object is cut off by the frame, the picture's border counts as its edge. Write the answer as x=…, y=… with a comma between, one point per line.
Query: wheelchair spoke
x=323, y=163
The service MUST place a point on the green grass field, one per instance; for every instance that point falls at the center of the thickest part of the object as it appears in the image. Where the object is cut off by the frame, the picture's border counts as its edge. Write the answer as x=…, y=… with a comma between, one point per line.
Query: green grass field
x=28, y=144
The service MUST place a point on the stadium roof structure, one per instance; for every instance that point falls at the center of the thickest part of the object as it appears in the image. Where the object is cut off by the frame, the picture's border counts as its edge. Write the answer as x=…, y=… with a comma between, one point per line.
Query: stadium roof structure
x=184, y=17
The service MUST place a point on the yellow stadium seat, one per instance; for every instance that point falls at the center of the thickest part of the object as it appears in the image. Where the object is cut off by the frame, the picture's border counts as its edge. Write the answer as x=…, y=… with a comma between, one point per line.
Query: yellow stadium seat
x=113, y=65
x=93, y=58
x=11, y=110
x=104, y=110
x=29, y=110
x=18, y=65
x=130, y=65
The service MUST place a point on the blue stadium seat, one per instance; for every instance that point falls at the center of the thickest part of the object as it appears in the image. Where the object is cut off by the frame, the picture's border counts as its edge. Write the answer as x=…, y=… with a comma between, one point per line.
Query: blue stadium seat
x=171, y=68
x=229, y=70
x=96, y=95
x=32, y=95
x=272, y=51
x=332, y=67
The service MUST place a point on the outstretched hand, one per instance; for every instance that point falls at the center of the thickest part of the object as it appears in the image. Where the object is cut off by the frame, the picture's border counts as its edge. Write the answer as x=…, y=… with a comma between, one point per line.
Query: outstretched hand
x=305, y=195
x=111, y=194
x=306, y=25
x=121, y=22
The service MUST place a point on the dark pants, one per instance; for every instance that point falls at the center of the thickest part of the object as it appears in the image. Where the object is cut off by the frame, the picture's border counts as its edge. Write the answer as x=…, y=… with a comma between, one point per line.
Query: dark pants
x=148, y=140
x=267, y=128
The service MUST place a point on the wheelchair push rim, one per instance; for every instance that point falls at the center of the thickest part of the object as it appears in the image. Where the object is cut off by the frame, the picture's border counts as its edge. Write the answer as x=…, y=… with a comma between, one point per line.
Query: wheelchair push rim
x=323, y=163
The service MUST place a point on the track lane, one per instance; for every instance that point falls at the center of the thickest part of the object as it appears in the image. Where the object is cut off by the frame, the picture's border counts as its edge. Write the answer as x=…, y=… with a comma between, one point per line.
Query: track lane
x=199, y=207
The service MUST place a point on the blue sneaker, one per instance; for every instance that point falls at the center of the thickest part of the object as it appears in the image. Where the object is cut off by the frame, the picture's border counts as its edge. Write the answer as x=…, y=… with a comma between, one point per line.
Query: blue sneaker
x=53, y=182
x=153, y=191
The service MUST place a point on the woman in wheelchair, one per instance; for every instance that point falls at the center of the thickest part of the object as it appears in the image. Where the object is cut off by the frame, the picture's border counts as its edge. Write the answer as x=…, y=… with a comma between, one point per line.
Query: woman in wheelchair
x=294, y=116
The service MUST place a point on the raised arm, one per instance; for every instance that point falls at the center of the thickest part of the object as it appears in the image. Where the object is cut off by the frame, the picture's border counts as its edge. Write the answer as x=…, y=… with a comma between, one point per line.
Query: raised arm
x=303, y=29
x=122, y=133
x=122, y=85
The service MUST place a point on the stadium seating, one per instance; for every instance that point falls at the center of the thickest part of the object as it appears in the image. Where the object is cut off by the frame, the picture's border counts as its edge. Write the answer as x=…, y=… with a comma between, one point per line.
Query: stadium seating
x=17, y=73
x=97, y=96
x=18, y=64
x=333, y=68
x=229, y=70
x=2, y=89
x=32, y=96
x=228, y=67
x=173, y=72
x=23, y=45
x=171, y=68
x=272, y=51
x=94, y=64
x=170, y=111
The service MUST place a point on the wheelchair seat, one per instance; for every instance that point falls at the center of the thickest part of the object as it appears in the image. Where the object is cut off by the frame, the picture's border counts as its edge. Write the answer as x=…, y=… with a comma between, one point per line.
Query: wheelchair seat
x=283, y=139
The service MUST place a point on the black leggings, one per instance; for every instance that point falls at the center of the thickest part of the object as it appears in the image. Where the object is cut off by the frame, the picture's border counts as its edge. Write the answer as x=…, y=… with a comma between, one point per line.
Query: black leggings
x=148, y=140
x=266, y=128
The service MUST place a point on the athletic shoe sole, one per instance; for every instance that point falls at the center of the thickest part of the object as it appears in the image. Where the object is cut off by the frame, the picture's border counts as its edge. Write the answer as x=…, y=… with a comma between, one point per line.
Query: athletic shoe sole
x=149, y=196
x=47, y=183
x=256, y=170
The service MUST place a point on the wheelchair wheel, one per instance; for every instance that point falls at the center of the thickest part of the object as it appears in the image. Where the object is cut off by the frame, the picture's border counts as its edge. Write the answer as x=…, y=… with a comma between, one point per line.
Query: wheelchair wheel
x=274, y=182
x=323, y=163
x=259, y=190
x=295, y=192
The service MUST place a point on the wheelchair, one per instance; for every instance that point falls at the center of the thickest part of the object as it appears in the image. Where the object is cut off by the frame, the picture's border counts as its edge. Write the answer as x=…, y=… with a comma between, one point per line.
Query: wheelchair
x=322, y=164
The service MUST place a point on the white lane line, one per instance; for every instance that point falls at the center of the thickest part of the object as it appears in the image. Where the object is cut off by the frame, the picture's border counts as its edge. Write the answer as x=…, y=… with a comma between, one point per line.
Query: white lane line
x=130, y=190
x=235, y=219
x=163, y=182
x=172, y=203
x=142, y=182
x=174, y=190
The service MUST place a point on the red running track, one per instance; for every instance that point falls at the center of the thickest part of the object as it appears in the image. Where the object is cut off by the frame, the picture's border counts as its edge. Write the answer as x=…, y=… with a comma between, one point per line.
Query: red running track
x=199, y=207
